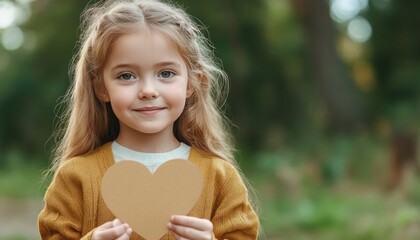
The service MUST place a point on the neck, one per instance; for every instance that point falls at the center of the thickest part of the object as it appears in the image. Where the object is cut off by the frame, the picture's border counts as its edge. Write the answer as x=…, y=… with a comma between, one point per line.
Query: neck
x=148, y=143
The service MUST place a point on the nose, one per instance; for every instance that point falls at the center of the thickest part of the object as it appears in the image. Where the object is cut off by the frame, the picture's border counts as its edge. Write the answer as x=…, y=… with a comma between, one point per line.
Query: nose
x=148, y=90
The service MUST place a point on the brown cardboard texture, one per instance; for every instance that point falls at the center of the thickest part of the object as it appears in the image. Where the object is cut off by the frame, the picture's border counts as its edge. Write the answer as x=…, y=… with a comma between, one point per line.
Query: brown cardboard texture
x=146, y=201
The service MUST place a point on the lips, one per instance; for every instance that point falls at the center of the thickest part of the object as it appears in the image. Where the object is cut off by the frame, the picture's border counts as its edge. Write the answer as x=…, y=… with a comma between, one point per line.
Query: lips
x=149, y=110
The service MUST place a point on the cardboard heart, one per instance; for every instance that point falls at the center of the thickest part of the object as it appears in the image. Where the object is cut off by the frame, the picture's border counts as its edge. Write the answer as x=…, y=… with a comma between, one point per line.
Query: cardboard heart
x=146, y=201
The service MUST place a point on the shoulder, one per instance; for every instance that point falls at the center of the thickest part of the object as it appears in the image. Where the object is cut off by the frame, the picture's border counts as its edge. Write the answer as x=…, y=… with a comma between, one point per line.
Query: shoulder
x=206, y=160
x=213, y=167
x=92, y=163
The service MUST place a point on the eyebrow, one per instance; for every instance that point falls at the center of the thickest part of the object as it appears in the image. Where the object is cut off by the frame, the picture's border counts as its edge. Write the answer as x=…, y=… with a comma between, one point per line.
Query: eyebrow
x=168, y=63
x=122, y=66
x=160, y=64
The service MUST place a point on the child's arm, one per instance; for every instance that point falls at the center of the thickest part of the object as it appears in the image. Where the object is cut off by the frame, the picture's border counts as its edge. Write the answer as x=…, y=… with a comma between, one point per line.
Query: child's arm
x=63, y=216
x=234, y=217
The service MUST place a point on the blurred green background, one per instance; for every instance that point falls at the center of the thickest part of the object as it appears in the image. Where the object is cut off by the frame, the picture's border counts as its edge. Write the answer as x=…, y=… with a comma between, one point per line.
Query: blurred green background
x=325, y=96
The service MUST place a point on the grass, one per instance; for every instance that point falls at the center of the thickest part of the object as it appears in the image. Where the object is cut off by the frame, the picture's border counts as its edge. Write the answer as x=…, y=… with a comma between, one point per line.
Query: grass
x=334, y=189
x=341, y=214
x=14, y=237
x=20, y=176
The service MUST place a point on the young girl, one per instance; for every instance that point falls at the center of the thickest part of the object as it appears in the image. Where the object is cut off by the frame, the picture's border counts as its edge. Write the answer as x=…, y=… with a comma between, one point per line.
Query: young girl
x=145, y=88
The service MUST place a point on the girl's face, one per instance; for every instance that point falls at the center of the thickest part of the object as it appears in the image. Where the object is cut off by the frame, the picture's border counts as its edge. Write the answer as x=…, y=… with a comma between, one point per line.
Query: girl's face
x=146, y=83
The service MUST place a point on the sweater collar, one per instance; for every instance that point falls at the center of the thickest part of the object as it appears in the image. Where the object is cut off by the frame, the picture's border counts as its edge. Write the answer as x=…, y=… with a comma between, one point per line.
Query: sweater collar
x=106, y=149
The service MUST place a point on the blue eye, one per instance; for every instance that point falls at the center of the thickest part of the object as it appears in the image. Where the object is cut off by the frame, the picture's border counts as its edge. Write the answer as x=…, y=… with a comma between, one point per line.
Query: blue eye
x=126, y=76
x=166, y=74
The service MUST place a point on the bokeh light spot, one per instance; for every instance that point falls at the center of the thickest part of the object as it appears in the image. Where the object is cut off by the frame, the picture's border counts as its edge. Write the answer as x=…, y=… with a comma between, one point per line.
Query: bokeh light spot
x=12, y=38
x=344, y=10
x=8, y=12
x=359, y=30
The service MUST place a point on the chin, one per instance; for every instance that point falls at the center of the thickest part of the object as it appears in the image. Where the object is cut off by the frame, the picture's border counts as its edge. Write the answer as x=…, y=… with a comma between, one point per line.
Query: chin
x=151, y=131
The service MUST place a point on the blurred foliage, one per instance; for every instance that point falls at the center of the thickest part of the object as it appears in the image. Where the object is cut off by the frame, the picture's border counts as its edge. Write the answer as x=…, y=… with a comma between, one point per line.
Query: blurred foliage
x=20, y=178
x=315, y=180
x=333, y=189
x=274, y=93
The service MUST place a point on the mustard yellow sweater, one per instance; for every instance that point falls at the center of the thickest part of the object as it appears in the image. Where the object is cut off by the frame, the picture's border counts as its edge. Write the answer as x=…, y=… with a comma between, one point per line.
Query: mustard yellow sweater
x=74, y=206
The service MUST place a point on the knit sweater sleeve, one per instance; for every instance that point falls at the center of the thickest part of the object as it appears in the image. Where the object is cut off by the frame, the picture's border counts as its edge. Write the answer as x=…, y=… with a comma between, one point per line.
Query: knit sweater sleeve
x=61, y=217
x=234, y=217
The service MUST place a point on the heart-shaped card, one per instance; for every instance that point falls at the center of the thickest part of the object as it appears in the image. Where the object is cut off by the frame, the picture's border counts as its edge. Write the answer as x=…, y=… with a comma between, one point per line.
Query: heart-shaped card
x=146, y=201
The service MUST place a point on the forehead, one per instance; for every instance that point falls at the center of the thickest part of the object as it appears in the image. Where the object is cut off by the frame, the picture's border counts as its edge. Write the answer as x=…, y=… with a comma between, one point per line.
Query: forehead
x=143, y=47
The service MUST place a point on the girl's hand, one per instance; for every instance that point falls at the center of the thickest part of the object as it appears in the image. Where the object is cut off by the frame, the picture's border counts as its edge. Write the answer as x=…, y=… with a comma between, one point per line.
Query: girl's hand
x=114, y=230
x=191, y=228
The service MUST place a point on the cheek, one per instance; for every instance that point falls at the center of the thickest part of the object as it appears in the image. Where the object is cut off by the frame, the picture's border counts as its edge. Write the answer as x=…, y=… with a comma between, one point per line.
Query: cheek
x=178, y=94
x=120, y=99
x=175, y=100
x=118, y=108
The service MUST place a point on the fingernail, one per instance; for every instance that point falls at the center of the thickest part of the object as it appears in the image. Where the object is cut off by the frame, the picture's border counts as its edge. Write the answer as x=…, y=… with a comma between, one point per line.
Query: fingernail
x=169, y=225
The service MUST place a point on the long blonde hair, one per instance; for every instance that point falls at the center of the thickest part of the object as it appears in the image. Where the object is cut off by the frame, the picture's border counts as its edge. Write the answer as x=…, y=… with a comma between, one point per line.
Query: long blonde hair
x=88, y=122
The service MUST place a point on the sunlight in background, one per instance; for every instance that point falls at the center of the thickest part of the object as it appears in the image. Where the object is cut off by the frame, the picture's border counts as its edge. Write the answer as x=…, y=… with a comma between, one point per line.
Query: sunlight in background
x=8, y=13
x=347, y=12
x=359, y=30
x=13, y=14
x=12, y=38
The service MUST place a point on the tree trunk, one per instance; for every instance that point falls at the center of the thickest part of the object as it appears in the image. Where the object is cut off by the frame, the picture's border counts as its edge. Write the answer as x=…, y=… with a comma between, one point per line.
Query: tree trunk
x=332, y=79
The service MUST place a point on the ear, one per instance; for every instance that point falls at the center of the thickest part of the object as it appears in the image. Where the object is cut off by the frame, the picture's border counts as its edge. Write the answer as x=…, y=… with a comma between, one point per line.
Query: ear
x=100, y=91
x=190, y=91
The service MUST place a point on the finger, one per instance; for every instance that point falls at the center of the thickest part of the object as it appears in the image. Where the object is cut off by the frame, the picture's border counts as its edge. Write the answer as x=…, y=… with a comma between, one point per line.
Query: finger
x=177, y=237
x=114, y=232
x=106, y=225
x=188, y=233
x=192, y=222
x=116, y=222
x=125, y=236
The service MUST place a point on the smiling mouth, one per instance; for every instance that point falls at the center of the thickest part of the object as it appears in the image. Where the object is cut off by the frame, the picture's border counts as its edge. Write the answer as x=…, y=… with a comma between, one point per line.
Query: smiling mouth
x=149, y=110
